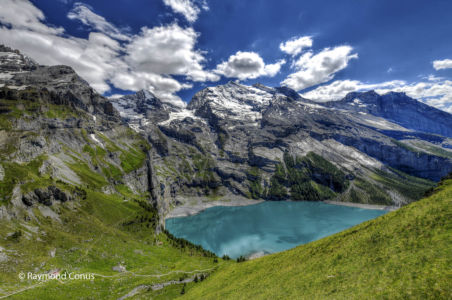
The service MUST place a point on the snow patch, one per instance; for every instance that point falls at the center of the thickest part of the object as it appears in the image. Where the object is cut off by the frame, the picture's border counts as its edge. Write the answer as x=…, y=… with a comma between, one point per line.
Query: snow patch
x=16, y=87
x=6, y=76
x=356, y=101
x=135, y=127
x=93, y=137
x=237, y=102
x=179, y=115
x=377, y=122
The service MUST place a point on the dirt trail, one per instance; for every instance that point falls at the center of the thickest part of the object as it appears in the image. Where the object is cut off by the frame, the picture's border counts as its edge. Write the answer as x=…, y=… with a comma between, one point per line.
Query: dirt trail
x=157, y=286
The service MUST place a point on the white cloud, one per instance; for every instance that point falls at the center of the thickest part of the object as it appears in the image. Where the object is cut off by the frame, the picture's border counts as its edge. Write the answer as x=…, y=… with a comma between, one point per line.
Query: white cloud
x=115, y=96
x=143, y=61
x=296, y=45
x=442, y=64
x=435, y=93
x=432, y=77
x=247, y=65
x=84, y=14
x=168, y=50
x=204, y=5
x=23, y=15
x=339, y=88
x=162, y=86
x=319, y=68
x=92, y=58
x=187, y=8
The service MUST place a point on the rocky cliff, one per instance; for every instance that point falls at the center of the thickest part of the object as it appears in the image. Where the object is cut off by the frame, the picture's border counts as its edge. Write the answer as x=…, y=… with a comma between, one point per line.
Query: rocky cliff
x=59, y=138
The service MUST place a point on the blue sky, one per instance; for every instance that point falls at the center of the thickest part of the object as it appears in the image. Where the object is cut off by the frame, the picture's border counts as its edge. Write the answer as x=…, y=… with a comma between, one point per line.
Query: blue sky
x=323, y=49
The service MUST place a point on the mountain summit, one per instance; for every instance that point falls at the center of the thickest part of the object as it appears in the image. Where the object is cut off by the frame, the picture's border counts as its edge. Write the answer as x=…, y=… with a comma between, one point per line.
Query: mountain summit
x=400, y=109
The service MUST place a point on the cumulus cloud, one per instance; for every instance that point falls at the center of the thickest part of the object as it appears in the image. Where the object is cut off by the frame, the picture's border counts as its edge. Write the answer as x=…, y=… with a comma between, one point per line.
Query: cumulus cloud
x=187, y=8
x=435, y=93
x=23, y=15
x=168, y=50
x=92, y=58
x=442, y=64
x=296, y=45
x=108, y=56
x=339, y=88
x=319, y=68
x=247, y=65
x=84, y=14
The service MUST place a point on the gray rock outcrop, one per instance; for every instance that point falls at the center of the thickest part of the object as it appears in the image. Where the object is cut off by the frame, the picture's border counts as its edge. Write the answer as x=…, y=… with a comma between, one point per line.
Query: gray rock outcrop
x=46, y=196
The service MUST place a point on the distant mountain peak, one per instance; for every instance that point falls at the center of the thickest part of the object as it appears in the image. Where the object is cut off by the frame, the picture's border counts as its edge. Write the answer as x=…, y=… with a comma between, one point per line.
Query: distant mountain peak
x=288, y=92
x=145, y=94
x=399, y=94
x=13, y=61
x=19, y=73
x=399, y=108
x=368, y=95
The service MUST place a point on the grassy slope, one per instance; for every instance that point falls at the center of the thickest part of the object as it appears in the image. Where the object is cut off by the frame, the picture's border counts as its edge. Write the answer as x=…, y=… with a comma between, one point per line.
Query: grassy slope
x=93, y=238
x=403, y=254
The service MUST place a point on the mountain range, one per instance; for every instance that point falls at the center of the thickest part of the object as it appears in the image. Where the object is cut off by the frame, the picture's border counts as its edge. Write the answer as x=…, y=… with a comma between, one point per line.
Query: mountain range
x=230, y=140
x=262, y=142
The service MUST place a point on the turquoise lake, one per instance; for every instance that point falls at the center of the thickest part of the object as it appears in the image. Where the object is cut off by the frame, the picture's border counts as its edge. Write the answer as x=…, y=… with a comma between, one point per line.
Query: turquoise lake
x=266, y=227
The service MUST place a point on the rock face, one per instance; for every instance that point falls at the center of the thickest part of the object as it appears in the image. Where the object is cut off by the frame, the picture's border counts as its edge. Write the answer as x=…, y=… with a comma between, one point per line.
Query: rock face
x=119, y=268
x=60, y=85
x=59, y=138
x=12, y=61
x=46, y=196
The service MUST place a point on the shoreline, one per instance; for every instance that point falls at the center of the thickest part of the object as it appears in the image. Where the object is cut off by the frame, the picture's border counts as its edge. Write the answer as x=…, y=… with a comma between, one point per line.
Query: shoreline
x=362, y=205
x=192, y=206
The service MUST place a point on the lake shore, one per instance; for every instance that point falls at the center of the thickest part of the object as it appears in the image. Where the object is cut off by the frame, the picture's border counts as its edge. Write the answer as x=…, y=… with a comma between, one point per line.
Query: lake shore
x=361, y=205
x=193, y=206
